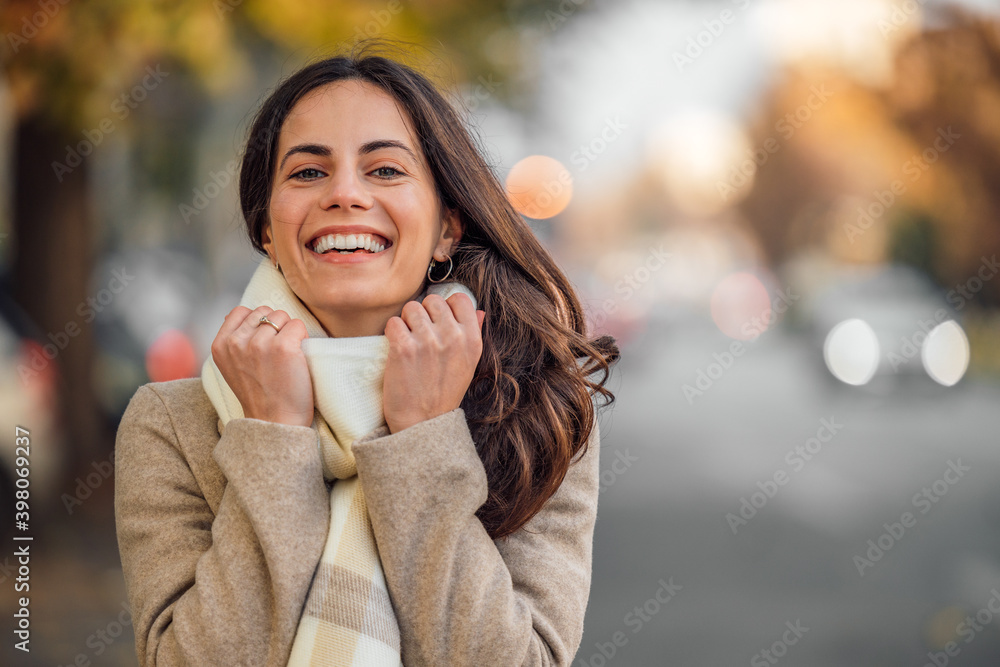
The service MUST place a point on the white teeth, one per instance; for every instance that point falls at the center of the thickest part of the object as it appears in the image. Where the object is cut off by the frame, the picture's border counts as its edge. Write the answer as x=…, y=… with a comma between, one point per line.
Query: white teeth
x=347, y=242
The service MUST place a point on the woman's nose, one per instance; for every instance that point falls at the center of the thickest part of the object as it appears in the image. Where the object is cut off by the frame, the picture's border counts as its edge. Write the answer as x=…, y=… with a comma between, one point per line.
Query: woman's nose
x=346, y=190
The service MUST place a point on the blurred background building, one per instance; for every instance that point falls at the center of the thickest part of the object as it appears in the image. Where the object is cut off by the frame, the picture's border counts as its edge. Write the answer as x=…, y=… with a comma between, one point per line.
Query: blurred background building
x=787, y=212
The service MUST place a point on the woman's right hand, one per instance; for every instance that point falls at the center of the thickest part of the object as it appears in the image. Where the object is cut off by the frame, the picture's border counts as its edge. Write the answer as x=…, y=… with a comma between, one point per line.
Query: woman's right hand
x=266, y=369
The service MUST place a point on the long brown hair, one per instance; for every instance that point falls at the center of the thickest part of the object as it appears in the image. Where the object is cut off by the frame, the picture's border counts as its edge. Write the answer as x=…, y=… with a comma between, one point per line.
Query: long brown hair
x=530, y=405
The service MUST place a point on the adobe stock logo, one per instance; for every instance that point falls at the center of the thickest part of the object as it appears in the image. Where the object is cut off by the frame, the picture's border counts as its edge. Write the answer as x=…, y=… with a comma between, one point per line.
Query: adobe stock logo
x=968, y=628
x=636, y=619
x=698, y=44
x=779, y=649
x=883, y=200
x=85, y=487
x=30, y=28
x=622, y=463
x=121, y=107
x=924, y=500
x=706, y=377
x=587, y=153
x=42, y=355
x=796, y=458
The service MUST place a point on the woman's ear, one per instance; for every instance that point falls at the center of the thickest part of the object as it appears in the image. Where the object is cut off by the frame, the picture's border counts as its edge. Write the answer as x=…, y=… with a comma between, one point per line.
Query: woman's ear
x=451, y=233
x=268, y=244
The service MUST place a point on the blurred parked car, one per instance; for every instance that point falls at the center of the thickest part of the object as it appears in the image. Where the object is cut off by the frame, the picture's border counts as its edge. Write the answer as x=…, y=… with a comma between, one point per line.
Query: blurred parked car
x=886, y=328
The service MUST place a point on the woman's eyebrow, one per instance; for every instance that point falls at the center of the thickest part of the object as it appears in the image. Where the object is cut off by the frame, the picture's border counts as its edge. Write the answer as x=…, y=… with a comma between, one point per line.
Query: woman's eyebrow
x=371, y=146
x=311, y=149
x=367, y=147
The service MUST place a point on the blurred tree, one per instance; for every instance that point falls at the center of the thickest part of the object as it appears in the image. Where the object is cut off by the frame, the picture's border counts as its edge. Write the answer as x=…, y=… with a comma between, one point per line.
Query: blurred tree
x=909, y=171
x=950, y=79
x=912, y=242
x=77, y=70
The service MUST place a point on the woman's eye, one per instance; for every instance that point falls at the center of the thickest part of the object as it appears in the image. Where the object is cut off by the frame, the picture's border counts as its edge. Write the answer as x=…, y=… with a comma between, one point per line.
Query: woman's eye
x=387, y=172
x=306, y=174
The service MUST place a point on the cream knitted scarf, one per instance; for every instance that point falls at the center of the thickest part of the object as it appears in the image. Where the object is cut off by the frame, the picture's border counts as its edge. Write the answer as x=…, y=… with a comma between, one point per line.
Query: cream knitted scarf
x=348, y=617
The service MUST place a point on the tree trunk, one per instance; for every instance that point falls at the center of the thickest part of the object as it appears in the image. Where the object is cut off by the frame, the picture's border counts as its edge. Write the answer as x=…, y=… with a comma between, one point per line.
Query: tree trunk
x=53, y=260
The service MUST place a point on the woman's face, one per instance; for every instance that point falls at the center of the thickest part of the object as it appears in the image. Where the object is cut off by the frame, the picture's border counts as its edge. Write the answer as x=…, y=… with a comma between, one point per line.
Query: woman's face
x=348, y=168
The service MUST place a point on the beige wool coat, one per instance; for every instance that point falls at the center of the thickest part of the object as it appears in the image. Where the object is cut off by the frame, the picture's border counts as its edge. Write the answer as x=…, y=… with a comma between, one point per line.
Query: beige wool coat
x=221, y=529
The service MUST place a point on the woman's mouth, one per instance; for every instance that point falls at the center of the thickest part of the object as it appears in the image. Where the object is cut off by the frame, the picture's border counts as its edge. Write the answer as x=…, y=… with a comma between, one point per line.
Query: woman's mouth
x=350, y=244
x=348, y=252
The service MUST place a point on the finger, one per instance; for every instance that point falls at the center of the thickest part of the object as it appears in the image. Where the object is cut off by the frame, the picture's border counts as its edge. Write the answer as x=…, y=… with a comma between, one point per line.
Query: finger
x=233, y=320
x=280, y=319
x=240, y=322
x=396, y=329
x=253, y=317
x=462, y=308
x=293, y=328
x=415, y=315
x=437, y=308
x=248, y=327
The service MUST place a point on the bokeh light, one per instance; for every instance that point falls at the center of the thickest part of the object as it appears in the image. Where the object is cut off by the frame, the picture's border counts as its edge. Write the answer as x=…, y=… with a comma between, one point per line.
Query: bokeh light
x=942, y=627
x=945, y=353
x=171, y=357
x=539, y=187
x=704, y=159
x=741, y=306
x=851, y=352
x=38, y=371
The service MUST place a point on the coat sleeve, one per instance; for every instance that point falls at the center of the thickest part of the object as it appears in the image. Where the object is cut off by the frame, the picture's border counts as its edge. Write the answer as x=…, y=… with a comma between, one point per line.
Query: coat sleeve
x=460, y=597
x=225, y=588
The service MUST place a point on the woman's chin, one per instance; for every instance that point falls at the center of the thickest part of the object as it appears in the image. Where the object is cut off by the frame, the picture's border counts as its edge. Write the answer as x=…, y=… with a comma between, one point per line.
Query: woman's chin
x=347, y=299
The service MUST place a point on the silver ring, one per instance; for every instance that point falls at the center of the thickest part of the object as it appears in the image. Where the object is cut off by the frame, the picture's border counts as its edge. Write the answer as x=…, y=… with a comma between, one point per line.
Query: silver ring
x=264, y=320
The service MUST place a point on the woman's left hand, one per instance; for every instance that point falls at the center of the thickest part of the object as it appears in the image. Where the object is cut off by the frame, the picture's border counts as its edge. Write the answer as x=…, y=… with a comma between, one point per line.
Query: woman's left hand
x=434, y=347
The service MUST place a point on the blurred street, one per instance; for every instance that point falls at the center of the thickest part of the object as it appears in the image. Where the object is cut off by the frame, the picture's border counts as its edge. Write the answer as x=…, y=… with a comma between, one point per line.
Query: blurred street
x=665, y=516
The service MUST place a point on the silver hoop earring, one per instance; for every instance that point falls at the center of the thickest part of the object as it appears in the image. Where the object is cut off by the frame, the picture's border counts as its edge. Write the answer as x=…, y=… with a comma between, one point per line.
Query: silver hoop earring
x=434, y=263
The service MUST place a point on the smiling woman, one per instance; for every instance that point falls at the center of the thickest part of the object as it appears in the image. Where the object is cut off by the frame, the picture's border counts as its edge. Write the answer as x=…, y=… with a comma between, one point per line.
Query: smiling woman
x=373, y=469
x=346, y=148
